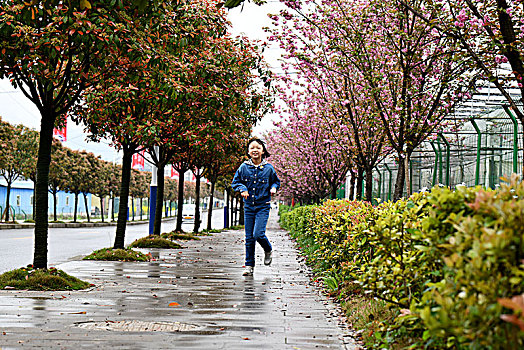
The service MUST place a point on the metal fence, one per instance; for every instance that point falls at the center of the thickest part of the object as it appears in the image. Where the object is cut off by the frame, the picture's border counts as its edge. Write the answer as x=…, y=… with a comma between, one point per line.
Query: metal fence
x=478, y=150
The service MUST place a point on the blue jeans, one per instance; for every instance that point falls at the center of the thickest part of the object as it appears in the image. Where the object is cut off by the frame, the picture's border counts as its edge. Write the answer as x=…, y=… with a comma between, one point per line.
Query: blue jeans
x=255, y=221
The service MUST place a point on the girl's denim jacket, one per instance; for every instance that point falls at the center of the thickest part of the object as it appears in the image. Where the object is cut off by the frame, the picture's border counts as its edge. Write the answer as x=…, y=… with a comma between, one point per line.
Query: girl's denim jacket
x=257, y=180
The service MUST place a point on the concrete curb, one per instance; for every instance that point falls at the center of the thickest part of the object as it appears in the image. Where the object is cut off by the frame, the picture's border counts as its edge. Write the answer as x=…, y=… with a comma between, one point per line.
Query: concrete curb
x=74, y=224
x=7, y=226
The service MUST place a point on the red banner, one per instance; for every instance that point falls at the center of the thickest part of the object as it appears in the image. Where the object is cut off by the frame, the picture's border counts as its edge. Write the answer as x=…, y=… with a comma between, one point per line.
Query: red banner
x=138, y=161
x=61, y=134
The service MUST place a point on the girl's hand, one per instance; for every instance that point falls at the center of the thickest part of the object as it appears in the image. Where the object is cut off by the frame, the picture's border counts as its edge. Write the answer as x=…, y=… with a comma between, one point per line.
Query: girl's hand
x=273, y=191
x=245, y=194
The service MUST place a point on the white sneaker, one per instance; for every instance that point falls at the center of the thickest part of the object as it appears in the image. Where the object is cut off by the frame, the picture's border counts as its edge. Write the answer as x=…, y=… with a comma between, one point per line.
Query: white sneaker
x=268, y=258
x=248, y=271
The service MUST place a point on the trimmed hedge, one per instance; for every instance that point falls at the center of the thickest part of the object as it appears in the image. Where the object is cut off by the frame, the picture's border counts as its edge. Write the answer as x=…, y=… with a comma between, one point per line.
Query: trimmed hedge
x=441, y=260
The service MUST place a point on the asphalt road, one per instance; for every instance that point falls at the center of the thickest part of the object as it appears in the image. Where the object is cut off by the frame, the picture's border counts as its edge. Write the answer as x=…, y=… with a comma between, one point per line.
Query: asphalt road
x=16, y=246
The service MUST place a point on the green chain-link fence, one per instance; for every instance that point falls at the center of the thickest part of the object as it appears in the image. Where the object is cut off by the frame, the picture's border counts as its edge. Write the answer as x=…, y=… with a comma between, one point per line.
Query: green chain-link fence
x=477, y=150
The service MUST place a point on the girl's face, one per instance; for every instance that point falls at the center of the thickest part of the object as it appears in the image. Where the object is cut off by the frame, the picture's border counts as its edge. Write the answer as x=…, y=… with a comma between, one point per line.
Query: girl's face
x=255, y=150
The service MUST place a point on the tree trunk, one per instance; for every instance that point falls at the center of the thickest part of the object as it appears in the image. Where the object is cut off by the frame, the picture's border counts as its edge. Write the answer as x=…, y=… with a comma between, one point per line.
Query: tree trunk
x=112, y=206
x=237, y=210
x=369, y=185
x=197, y=205
x=124, y=198
x=180, y=201
x=406, y=176
x=232, y=208
x=226, y=218
x=76, y=207
x=34, y=201
x=8, y=194
x=239, y=199
x=210, y=209
x=234, y=203
x=41, y=195
x=140, y=207
x=241, y=218
x=87, y=209
x=333, y=191
x=360, y=178
x=352, y=186
x=159, y=200
x=102, y=207
x=399, y=183
x=55, y=216
x=133, y=207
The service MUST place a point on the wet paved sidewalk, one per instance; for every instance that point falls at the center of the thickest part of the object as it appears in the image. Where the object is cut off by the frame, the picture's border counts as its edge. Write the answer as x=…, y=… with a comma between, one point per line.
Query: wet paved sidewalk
x=192, y=298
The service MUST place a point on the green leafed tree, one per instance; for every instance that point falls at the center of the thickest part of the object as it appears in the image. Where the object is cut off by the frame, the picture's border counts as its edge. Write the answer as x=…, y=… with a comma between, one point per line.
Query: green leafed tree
x=101, y=187
x=92, y=166
x=16, y=152
x=57, y=173
x=31, y=152
x=77, y=169
x=52, y=50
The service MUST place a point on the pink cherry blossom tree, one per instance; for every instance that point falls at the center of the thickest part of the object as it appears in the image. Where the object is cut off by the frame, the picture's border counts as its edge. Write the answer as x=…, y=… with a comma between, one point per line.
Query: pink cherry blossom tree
x=386, y=60
x=310, y=163
x=491, y=36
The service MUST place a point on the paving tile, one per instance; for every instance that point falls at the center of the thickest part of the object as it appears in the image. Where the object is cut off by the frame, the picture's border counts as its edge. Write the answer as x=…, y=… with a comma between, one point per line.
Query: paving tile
x=277, y=308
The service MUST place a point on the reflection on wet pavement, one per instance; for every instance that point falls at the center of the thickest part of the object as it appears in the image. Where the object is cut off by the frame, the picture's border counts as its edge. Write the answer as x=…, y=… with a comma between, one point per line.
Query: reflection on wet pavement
x=200, y=285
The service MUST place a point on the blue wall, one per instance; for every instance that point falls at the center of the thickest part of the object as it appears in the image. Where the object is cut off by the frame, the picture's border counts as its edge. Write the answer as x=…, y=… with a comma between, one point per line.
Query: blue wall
x=21, y=196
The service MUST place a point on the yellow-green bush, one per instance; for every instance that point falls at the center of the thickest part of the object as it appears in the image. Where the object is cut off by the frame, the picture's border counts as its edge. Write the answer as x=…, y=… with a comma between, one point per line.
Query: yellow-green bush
x=484, y=261
x=444, y=258
x=298, y=222
x=396, y=269
x=332, y=226
x=282, y=208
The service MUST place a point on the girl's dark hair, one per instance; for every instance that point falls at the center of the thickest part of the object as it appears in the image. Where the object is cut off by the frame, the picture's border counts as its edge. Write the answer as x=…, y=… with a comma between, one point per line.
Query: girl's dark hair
x=265, y=153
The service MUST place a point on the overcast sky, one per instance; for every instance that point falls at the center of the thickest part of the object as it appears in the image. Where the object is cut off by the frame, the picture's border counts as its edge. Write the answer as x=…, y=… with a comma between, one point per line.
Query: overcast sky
x=15, y=108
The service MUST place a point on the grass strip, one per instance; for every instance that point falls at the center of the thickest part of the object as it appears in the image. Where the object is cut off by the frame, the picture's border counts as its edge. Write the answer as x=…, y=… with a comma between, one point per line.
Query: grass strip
x=155, y=242
x=29, y=278
x=111, y=254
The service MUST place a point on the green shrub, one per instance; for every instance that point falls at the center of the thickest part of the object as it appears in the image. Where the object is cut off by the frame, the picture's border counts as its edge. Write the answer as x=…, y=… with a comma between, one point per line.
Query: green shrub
x=483, y=263
x=332, y=226
x=298, y=220
x=155, y=242
x=394, y=248
x=179, y=236
x=111, y=254
x=40, y=279
x=441, y=262
x=207, y=232
x=406, y=241
x=282, y=208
